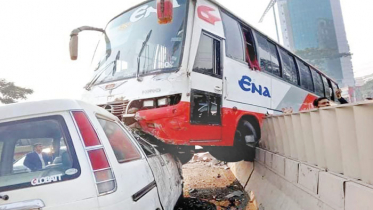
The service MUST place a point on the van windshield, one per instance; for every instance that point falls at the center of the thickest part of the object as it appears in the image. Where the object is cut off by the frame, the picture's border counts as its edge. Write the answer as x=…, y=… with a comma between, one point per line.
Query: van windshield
x=36, y=152
x=117, y=53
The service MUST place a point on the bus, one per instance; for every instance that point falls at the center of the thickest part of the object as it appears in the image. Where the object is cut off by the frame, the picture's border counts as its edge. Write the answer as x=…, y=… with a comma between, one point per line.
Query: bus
x=201, y=77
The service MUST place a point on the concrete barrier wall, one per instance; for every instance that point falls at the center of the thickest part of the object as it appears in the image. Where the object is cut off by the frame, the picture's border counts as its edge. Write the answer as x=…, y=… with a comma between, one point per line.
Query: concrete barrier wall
x=281, y=183
x=319, y=159
x=338, y=139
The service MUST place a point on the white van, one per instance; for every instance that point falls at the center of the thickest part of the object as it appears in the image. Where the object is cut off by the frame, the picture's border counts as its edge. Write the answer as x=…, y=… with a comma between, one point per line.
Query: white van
x=66, y=154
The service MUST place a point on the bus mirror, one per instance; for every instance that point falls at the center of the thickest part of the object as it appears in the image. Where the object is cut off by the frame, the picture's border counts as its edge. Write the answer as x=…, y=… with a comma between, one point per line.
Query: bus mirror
x=74, y=47
x=164, y=11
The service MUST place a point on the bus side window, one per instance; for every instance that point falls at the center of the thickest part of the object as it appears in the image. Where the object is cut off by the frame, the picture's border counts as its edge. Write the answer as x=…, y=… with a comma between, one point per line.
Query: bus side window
x=305, y=76
x=268, y=55
x=289, y=69
x=205, y=108
x=208, y=56
x=319, y=87
x=233, y=44
x=335, y=88
x=251, y=57
x=328, y=89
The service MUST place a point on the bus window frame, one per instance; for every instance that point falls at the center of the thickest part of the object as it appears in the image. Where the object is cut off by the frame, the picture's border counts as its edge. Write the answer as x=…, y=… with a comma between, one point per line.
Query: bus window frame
x=297, y=59
x=295, y=62
x=222, y=11
x=322, y=81
x=219, y=39
x=251, y=31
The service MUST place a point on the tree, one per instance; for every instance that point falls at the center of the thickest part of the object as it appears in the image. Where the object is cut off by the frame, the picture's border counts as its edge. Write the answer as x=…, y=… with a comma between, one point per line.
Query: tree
x=318, y=57
x=10, y=93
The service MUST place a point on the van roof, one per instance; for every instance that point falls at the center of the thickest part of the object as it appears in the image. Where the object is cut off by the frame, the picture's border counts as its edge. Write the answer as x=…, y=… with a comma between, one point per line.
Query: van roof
x=23, y=109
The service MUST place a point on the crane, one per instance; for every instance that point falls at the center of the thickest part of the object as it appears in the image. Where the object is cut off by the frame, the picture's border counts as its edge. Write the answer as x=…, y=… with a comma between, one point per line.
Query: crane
x=269, y=7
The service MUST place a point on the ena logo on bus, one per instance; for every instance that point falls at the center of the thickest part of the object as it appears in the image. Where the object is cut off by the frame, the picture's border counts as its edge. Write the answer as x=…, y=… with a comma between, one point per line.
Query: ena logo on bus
x=248, y=86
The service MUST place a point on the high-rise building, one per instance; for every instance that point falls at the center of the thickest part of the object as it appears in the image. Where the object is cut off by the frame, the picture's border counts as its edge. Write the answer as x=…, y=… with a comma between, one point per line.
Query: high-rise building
x=317, y=26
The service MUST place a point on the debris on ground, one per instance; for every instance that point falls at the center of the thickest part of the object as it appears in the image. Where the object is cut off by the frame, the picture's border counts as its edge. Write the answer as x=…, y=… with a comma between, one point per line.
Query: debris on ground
x=235, y=193
x=208, y=183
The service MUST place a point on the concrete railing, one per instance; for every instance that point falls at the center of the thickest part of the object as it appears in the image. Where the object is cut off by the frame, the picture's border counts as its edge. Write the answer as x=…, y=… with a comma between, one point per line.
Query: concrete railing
x=338, y=139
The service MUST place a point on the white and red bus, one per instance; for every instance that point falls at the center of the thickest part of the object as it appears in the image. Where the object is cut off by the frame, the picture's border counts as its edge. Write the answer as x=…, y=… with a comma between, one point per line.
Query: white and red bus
x=204, y=78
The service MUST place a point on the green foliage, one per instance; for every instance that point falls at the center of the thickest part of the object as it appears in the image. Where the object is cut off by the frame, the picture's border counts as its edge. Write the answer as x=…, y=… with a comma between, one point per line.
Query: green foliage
x=317, y=57
x=10, y=93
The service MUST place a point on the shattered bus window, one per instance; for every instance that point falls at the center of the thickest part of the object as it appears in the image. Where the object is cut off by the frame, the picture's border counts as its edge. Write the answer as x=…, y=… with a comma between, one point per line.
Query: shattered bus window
x=205, y=108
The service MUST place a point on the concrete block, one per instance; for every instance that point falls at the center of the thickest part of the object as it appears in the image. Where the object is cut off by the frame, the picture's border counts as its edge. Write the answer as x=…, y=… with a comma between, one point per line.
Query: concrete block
x=358, y=197
x=291, y=170
x=309, y=177
x=331, y=189
x=268, y=159
x=262, y=155
x=278, y=164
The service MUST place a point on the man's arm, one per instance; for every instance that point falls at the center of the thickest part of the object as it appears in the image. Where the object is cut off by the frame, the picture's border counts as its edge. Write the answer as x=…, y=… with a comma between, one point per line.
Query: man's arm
x=341, y=100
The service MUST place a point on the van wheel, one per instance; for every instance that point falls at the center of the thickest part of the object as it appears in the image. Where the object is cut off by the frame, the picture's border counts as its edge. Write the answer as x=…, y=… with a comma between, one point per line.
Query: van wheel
x=245, y=141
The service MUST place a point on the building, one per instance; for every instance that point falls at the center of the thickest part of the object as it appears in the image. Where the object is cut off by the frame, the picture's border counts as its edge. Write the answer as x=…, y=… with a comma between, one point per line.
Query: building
x=318, y=25
x=360, y=81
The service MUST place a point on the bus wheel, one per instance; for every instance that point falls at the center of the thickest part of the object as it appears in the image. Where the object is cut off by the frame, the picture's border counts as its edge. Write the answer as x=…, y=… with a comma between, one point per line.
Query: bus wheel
x=245, y=141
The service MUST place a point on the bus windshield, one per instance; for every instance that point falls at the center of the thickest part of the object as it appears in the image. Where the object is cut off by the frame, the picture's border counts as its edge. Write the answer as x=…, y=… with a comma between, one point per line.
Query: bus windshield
x=118, y=50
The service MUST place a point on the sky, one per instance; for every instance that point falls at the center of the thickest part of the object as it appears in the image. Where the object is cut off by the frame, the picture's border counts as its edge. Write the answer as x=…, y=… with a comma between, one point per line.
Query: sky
x=34, y=39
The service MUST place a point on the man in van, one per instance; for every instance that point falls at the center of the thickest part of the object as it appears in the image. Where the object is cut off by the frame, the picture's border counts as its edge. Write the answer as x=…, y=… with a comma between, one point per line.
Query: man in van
x=37, y=160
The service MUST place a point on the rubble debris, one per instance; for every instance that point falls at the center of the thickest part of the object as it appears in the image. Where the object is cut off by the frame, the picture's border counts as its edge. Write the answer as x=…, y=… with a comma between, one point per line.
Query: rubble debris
x=235, y=193
x=212, y=182
x=192, y=190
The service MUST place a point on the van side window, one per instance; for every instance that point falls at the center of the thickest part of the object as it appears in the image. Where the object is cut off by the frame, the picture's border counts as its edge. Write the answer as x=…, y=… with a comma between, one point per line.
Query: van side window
x=123, y=147
x=208, y=56
x=33, y=149
x=205, y=108
x=319, y=87
x=305, y=76
x=268, y=56
x=289, y=69
x=233, y=44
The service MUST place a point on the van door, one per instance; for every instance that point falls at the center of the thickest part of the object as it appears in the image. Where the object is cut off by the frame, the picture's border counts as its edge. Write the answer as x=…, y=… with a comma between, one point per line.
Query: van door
x=42, y=165
x=136, y=186
x=166, y=173
x=206, y=90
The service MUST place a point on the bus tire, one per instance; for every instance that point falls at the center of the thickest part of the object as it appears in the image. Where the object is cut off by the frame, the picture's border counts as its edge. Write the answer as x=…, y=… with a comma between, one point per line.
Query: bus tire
x=241, y=150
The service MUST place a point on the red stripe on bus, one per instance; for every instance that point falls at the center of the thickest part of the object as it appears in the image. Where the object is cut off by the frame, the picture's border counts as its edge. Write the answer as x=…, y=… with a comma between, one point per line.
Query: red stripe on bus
x=172, y=125
x=308, y=102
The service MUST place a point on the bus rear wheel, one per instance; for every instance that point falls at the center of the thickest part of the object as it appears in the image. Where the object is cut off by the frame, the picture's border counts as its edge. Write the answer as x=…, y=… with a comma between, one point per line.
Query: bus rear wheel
x=245, y=141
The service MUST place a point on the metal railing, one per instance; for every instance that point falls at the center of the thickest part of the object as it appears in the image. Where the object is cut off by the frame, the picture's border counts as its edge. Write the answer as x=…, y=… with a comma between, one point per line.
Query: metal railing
x=338, y=139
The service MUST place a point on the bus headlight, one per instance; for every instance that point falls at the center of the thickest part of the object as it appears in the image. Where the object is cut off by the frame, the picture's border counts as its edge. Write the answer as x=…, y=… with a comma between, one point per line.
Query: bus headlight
x=162, y=101
x=148, y=103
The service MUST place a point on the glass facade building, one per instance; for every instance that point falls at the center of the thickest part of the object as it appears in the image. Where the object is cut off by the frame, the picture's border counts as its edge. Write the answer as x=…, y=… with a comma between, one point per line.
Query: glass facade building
x=316, y=28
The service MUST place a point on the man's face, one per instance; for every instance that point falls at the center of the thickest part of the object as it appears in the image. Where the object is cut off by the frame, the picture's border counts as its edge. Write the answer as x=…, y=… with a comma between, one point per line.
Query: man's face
x=324, y=103
x=38, y=148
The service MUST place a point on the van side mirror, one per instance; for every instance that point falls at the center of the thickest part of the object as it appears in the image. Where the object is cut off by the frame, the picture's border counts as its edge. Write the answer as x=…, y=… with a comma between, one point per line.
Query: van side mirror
x=74, y=47
x=164, y=11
